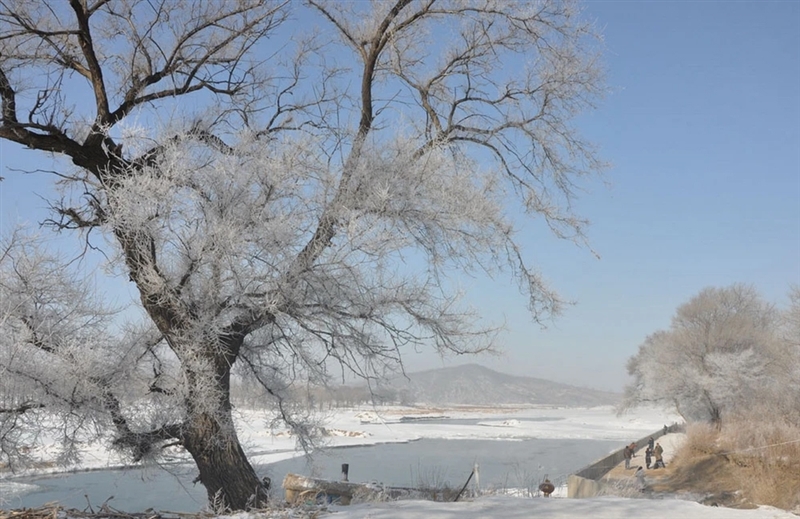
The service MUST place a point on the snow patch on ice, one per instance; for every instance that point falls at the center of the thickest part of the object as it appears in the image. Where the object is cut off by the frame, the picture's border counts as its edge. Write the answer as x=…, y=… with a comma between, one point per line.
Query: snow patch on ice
x=513, y=422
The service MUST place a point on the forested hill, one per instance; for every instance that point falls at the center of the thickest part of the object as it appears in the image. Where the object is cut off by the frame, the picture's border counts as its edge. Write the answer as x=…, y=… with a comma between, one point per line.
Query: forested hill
x=474, y=384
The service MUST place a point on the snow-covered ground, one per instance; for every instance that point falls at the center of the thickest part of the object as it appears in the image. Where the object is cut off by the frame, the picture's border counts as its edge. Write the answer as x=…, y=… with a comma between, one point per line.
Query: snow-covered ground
x=518, y=508
x=369, y=425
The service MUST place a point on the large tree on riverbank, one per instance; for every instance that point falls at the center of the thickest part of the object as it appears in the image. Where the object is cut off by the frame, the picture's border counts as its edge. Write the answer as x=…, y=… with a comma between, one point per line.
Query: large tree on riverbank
x=722, y=355
x=281, y=202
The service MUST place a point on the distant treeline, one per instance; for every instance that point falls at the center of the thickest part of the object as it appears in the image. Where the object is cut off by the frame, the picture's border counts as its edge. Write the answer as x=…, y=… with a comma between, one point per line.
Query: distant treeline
x=322, y=398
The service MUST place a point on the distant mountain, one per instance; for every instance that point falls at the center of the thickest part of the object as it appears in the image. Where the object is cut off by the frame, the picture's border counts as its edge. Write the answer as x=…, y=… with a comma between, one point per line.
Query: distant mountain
x=478, y=385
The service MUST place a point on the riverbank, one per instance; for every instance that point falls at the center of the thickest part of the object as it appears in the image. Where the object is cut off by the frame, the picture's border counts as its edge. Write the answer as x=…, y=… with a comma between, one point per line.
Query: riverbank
x=371, y=425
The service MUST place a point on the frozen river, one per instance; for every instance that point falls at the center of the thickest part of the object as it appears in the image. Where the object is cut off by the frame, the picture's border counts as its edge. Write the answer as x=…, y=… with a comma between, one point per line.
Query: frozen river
x=503, y=464
x=398, y=446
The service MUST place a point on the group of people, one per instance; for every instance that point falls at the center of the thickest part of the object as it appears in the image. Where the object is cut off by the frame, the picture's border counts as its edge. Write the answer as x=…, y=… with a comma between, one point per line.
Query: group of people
x=653, y=449
x=657, y=452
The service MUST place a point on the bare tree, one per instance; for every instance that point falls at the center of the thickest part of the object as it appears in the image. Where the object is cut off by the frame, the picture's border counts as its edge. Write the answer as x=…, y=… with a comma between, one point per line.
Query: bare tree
x=285, y=203
x=720, y=355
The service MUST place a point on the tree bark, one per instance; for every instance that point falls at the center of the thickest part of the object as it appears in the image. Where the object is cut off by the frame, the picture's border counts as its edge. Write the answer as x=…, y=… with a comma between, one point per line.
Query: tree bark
x=229, y=478
x=211, y=439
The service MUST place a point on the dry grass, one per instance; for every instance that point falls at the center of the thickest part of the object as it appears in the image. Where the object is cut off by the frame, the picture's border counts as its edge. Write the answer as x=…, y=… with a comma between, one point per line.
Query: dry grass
x=743, y=465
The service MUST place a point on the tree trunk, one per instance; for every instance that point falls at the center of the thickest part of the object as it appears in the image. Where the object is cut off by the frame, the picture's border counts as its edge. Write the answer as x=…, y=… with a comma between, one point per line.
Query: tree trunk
x=230, y=480
x=211, y=439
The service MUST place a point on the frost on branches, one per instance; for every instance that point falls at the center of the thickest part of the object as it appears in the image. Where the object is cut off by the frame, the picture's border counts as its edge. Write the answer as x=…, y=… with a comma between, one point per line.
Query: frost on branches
x=291, y=188
x=724, y=354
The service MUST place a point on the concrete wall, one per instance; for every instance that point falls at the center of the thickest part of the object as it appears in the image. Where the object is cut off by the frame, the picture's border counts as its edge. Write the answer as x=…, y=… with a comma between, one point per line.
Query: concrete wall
x=586, y=482
x=578, y=487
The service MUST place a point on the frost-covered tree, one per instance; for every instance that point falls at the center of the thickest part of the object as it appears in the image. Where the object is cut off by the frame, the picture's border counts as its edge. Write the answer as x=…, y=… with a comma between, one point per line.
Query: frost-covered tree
x=792, y=319
x=61, y=371
x=289, y=186
x=720, y=355
x=787, y=388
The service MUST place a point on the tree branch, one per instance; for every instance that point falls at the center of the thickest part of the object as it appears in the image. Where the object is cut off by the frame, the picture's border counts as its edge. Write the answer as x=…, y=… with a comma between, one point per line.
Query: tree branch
x=95, y=70
x=22, y=408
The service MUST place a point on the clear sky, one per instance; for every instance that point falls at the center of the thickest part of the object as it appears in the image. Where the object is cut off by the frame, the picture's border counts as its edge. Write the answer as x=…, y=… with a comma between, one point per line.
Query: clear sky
x=702, y=127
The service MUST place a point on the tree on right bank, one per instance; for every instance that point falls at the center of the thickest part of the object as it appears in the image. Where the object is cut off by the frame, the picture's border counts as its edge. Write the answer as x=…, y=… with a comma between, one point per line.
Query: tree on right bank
x=727, y=354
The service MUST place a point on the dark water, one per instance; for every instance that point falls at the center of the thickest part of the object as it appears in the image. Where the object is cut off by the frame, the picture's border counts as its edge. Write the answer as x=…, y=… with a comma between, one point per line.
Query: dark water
x=502, y=463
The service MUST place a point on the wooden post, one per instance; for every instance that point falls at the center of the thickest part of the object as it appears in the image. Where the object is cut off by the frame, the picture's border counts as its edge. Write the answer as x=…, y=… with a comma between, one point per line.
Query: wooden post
x=476, y=469
x=345, y=471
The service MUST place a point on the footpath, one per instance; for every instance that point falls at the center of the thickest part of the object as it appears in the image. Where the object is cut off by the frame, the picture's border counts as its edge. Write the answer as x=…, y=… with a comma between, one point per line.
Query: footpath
x=620, y=476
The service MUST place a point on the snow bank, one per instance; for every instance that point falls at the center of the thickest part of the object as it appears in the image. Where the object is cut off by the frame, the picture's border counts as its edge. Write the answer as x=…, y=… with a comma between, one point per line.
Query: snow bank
x=518, y=508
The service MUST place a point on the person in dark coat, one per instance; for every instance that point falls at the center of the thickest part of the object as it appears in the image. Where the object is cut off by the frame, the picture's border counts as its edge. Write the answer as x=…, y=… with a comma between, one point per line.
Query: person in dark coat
x=627, y=453
x=547, y=488
x=650, y=443
x=648, y=457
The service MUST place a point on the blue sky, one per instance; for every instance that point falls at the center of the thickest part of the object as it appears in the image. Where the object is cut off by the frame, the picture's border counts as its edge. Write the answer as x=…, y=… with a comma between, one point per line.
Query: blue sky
x=702, y=127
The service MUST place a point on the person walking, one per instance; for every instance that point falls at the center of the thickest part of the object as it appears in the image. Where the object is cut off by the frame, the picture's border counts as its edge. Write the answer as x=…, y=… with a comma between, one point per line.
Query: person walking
x=639, y=475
